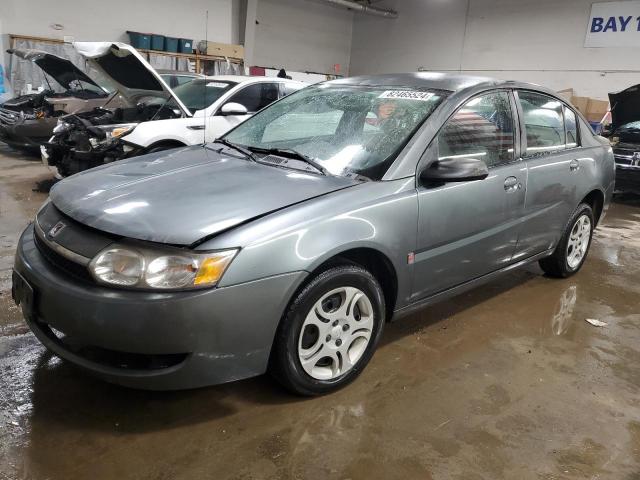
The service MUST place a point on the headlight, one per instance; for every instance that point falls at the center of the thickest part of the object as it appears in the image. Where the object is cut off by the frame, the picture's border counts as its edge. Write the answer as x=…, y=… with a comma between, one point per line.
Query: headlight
x=117, y=131
x=127, y=266
x=615, y=140
x=119, y=266
x=61, y=127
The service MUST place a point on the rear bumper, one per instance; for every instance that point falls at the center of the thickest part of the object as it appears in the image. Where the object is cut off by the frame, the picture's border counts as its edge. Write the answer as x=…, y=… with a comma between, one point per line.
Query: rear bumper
x=148, y=340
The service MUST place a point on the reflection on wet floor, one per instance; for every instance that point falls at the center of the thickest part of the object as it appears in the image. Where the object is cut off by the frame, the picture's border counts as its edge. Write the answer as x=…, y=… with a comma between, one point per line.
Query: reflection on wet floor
x=506, y=381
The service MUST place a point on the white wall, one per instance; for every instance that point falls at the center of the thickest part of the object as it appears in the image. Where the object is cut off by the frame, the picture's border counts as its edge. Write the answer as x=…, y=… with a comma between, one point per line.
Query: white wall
x=91, y=20
x=302, y=35
x=540, y=42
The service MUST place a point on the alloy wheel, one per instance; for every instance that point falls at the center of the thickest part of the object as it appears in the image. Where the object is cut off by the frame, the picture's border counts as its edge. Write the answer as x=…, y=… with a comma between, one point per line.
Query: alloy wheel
x=578, y=241
x=335, y=333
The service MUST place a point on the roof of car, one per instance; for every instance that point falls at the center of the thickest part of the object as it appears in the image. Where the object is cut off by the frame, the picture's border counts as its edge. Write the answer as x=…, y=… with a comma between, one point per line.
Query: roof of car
x=162, y=71
x=244, y=78
x=435, y=80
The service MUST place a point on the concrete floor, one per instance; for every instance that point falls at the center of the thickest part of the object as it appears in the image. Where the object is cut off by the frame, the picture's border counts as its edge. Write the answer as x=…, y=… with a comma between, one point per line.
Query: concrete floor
x=508, y=381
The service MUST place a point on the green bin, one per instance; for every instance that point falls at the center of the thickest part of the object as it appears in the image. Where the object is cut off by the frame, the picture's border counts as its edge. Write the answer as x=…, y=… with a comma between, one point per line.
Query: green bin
x=170, y=44
x=140, y=40
x=157, y=42
x=186, y=45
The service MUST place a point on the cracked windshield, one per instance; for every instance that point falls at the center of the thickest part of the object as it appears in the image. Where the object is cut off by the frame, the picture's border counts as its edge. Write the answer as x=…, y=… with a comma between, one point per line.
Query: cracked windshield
x=343, y=130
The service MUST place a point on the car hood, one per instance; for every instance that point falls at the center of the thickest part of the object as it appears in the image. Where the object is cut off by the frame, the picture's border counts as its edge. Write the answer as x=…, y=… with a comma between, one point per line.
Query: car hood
x=127, y=70
x=182, y=196
x=625, y=107
x=60, y=69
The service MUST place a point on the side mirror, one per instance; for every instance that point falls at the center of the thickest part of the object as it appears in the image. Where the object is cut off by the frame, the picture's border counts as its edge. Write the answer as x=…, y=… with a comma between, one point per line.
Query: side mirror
x=455, y=170
x=233, y=108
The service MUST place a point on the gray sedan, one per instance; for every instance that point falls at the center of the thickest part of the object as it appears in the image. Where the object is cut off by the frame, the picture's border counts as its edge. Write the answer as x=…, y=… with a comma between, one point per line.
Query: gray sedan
x=286, y=245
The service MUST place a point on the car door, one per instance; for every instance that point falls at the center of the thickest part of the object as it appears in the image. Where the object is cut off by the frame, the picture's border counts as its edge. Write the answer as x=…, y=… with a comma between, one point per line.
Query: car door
x=469, y=229
x=552, y=154
x=253, y=97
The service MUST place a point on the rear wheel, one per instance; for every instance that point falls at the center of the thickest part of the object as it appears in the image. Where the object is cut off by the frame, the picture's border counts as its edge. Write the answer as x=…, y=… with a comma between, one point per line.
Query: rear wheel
x=330, y=331
x=572, y=249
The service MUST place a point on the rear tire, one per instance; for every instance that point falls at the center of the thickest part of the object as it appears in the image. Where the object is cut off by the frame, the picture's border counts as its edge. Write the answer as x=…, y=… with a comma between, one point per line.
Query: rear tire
x=329, y=332
x=573, y=247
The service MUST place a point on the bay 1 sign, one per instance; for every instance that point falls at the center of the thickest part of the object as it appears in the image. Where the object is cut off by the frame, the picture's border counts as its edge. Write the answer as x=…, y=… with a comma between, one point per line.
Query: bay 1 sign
x=614, y=24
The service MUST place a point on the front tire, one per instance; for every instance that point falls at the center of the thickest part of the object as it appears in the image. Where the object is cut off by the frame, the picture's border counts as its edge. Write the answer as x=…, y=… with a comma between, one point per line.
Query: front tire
x=330, y=331
x=573, y=247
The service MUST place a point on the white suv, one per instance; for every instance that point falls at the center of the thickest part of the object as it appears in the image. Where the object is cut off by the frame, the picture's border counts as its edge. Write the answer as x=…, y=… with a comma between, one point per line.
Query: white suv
x=146, y=115
x=216, y=104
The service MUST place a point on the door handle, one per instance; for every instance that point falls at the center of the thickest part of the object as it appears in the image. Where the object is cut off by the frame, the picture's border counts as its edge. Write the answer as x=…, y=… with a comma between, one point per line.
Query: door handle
x=574, y=165
x=511, y=184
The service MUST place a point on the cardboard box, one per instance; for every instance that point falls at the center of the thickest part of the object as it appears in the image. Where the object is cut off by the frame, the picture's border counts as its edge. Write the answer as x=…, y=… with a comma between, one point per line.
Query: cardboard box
x=224, y=50
x=596, y=109
x=581, y=103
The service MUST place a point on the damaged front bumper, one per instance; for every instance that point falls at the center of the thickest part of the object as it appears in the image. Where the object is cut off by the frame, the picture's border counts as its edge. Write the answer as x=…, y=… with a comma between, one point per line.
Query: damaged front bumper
x=63, y=160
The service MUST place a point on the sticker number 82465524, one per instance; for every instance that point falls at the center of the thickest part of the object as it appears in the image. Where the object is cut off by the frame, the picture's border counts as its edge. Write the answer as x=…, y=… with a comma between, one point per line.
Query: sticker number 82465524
x=407, y=95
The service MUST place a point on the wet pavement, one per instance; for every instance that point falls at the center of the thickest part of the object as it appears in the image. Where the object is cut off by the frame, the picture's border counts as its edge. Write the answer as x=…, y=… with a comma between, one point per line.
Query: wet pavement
x=507, y=381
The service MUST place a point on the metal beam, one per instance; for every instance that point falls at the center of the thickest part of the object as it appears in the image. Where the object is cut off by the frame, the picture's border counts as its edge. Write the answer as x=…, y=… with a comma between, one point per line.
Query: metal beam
x=360, y=7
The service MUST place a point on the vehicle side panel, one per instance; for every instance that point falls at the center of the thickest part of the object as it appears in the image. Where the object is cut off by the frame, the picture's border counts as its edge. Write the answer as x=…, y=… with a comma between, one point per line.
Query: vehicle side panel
x=375, y=215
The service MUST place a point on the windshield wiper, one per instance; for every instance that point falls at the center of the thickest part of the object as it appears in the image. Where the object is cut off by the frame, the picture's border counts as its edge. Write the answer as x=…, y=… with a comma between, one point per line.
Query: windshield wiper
x=296, y=155
x=237, y=148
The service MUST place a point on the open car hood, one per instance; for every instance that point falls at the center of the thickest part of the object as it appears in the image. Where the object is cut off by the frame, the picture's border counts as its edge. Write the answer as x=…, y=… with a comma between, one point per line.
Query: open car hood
x=182, y=196
x=625, y=107
x=129, y=72
x=60, y=69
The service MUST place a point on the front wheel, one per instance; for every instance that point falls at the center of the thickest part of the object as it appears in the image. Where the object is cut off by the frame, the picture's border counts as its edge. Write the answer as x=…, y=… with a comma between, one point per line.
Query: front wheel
x=572, y=249
x=330, y=331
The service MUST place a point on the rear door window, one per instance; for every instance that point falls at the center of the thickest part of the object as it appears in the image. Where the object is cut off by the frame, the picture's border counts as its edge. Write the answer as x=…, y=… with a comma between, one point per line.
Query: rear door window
x=257, y=96
x=544, y=124
x=288, y=88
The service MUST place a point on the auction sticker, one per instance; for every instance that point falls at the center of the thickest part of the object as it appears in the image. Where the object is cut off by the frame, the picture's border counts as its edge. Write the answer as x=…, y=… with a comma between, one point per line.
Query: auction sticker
x=407, y=95
x=217, y=84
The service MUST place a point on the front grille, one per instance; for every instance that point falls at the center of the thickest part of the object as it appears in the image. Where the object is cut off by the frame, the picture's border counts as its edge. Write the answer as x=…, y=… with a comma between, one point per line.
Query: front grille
x=76, y=270
x=130, y=361
x=624, y=154
x=112, y=358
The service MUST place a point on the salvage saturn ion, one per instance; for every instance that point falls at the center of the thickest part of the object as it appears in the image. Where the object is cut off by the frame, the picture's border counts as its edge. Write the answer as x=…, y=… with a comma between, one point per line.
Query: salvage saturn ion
x=287, y=244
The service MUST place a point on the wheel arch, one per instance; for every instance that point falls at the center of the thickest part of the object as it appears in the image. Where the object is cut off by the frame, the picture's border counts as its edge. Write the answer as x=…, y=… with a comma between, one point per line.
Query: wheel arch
x=595, y=199
x=167, y=143
x=370, y=258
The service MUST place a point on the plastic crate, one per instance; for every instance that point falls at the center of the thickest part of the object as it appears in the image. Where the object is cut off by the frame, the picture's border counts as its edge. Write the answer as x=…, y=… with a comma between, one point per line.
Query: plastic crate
x=140, y=40
x=170, y=44
x=186, y=45
x=597, y=127
x=157, y=42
